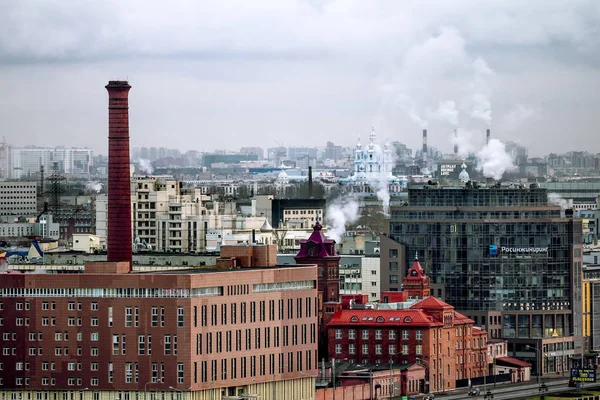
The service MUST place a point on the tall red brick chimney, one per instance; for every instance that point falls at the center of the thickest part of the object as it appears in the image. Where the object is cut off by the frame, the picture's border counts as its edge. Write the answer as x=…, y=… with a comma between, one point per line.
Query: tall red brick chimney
x=118, y=241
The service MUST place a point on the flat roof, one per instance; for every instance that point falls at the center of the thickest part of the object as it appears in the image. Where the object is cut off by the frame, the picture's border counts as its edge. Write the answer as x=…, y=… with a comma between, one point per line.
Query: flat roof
x=215, y=269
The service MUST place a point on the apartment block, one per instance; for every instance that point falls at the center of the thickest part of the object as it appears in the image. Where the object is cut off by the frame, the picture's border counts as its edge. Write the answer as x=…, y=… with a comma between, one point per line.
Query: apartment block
x=18, y=199
x=230, y=330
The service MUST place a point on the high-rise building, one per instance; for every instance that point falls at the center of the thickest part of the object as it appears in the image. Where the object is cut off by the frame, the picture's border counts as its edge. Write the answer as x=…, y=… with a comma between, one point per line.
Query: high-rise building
x=26, y=162
x=504, y=257
x=18, y=199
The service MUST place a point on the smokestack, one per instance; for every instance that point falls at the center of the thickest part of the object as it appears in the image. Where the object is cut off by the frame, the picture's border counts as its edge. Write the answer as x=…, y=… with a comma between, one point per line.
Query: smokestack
x=487, y=136
x=310, y=183
x=455, y=143
x=118, y=240
x=425, y=152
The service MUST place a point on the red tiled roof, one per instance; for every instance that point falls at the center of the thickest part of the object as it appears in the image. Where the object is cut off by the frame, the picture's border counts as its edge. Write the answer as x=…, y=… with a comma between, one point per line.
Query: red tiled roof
x=513, y=361
x=458, y=317
x=405, y=317
x=432, y=303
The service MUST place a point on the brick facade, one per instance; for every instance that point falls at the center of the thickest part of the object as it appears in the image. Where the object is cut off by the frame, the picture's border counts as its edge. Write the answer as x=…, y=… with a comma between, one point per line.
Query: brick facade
x=202, y=329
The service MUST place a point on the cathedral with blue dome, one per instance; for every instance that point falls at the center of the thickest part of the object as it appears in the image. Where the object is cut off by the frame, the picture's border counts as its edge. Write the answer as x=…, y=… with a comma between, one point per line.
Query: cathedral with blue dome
x=373, y=164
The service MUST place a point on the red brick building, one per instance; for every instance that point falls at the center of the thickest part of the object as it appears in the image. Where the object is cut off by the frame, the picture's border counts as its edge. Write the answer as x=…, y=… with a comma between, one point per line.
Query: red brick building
x=319, y=250
x=419, y=329
x=212, y=331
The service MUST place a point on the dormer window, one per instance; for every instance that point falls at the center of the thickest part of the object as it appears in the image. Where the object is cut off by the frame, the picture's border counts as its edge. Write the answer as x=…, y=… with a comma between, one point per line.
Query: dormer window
x=407, y=319
x=354, y=319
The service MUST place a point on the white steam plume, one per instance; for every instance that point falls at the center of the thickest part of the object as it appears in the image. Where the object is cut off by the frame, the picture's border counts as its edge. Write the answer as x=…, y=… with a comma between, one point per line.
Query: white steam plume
x=481, y=91
x=95, y=187
x=340, y=213
x=379, y=182
x=493, y=160
x=145, y=166
x=464, y=139
x=555, y=199
x=446, y=112
x=407, y=105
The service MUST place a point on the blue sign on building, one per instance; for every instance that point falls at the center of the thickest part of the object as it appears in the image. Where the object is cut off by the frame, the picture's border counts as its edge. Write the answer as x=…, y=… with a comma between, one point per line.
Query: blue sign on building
x=583, y=375
x=494, y=250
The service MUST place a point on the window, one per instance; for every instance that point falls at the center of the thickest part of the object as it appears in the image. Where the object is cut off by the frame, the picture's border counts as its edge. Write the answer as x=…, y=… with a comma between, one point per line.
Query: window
x=94, y=337
x=128, y=372
x=351, y=349
x=94, y=306
x=419, y=349
x=365, y=334
x=338, y=348
x=94, y=352
x=351, y=334
x=180, y=374
x=378, y=334
x=94, y=366
x=71, y=306
x=392, y=349
x=141, y=345
x=405, y=349
x=167, y=345
x=338, y=333
x=404, y=334
x=128, y=317
x=94, y=382
x=365, y=349
x=377, y=349
x=154, y=317
x=94, y=321
x=419, y=335
x=115, y=345
x=392, y=334
x=180, y=317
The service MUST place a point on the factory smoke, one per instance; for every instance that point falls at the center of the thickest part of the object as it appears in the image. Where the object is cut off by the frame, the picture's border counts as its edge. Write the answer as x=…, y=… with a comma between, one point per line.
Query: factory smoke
x=555, y=199
x=145, y=166
x=463, y=141
x=493, y=160
x=480, y=90
x=380, y=183
x=95, y=187
x=446, y=112
x=341, y=213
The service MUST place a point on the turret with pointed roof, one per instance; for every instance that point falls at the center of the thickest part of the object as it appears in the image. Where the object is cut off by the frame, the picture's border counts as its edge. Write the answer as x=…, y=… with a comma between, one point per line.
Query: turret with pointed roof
x=416, y=283
x=320, y=250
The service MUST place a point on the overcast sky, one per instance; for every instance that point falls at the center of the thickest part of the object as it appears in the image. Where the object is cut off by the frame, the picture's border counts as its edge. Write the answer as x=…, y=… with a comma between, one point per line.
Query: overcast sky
x=223, y=74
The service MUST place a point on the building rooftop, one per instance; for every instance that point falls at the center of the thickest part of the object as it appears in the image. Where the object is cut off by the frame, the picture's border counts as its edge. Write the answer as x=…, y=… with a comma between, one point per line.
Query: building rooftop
x=215, y=269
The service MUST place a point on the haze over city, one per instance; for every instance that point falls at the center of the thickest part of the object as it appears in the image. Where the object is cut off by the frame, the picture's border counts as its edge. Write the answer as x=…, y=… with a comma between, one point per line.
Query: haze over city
x=209, y=75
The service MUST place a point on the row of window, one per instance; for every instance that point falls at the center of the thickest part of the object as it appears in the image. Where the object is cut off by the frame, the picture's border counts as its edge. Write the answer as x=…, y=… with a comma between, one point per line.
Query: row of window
x=70, y=395
x=256, y=338
x=351, y=334
x=405, y=349
x=150, y=292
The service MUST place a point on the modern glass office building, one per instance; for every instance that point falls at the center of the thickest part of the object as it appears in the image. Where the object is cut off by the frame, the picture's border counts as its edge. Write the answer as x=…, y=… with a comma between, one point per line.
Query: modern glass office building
x=503, y=256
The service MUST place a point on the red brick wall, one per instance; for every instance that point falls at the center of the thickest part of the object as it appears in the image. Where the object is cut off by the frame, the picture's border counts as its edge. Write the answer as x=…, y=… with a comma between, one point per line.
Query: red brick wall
x=355, y=392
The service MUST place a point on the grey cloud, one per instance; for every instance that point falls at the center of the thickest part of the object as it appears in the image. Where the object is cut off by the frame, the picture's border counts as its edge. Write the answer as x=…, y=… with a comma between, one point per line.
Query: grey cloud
x=211, y=73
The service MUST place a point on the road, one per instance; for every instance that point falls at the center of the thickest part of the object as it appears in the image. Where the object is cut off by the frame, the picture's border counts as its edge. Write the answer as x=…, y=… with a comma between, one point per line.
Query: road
x=516, y=391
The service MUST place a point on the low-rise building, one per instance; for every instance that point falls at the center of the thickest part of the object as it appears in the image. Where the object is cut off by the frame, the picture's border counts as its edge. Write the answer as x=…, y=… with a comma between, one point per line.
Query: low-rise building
x=412, y=327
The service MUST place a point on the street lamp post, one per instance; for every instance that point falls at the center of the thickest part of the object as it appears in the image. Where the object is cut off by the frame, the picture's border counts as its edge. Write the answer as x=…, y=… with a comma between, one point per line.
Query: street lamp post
x=539, y=363
x=427, y=372
x=145, y=386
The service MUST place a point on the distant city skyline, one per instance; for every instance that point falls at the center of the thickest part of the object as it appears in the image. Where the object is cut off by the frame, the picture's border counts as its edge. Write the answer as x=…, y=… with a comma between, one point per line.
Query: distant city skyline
x=302, y=72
